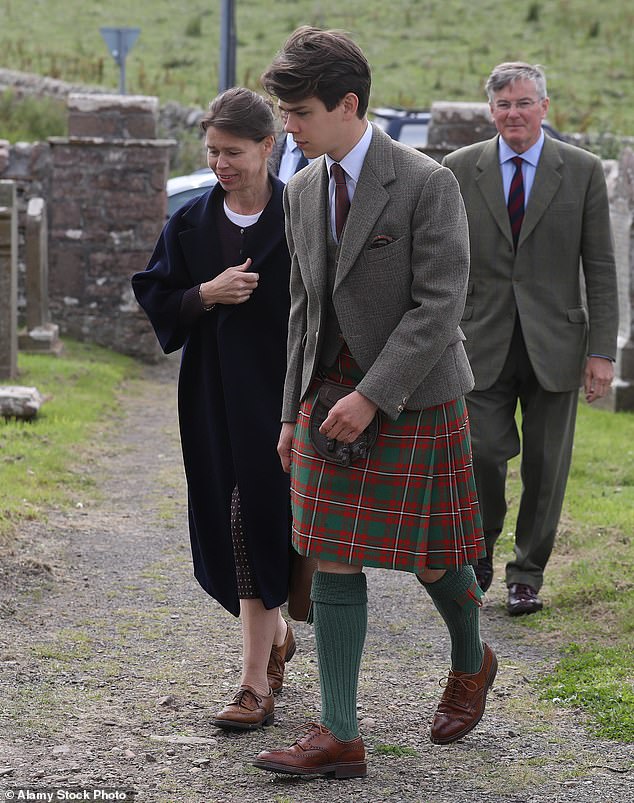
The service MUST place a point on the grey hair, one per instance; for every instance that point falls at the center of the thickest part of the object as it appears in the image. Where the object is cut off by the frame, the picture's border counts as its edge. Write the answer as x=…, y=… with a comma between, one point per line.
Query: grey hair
x=511, y=71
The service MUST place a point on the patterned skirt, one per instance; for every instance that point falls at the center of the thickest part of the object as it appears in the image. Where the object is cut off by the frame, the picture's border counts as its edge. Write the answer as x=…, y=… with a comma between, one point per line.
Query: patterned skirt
x=411, y=505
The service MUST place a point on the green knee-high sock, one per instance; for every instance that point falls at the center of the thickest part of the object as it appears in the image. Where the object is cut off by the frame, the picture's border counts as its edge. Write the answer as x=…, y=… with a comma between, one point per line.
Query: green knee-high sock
x=340, y=616
x=458, y=599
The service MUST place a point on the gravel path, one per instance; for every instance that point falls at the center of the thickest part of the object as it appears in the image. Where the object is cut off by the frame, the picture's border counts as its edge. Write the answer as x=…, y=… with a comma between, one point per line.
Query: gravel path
x=112, y=661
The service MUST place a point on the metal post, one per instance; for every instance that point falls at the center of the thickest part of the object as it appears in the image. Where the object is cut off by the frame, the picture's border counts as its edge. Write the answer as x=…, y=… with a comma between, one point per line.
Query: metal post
x=122, y=56
x=227, y=71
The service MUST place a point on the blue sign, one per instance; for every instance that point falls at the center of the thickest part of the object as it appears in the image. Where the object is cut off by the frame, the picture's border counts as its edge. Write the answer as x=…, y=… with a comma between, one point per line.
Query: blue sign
x=119, y=42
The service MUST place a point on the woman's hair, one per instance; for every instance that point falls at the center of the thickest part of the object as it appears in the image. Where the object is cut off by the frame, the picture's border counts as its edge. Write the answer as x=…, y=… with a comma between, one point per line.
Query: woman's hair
x=242, y=113
x=321, y=64
x=511, y=71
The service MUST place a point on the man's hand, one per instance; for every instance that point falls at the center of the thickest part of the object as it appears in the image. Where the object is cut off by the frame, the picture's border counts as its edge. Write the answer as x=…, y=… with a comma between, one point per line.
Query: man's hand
x=284, y=446
x=233, y=286
x=597, y=379
x=348, y=417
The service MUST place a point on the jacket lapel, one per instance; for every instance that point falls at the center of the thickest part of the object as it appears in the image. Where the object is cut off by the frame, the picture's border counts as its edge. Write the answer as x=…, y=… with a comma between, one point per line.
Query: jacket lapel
x=489, y=181
x=313, y=214
x=545, y=185
x=370, y=199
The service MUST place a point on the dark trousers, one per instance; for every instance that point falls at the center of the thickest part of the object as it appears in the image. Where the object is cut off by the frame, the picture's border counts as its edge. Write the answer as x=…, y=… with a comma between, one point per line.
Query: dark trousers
x=547, y=424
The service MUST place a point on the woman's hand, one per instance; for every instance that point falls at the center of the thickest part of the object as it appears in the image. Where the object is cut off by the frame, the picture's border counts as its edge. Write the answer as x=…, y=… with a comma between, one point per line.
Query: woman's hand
x=348, y=417
x=233, y=286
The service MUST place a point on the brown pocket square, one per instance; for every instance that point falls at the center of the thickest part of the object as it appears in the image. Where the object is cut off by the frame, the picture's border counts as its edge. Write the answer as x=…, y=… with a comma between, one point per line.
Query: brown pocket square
x=381, y=240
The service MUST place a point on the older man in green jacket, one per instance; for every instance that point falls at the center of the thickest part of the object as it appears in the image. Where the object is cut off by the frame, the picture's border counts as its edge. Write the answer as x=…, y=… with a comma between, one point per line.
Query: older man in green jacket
x=536, y=208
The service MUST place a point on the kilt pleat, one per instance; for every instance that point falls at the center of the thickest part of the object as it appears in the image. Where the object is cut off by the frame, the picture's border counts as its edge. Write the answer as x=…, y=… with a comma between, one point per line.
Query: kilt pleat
x=411, y=505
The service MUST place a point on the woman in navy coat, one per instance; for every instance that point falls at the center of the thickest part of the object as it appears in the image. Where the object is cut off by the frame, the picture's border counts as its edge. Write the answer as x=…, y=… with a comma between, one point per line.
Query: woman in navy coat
x=217, y=286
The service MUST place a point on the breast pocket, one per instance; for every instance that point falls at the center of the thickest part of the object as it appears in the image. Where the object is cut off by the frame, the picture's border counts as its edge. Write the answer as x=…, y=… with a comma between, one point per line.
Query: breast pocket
x=394, y=250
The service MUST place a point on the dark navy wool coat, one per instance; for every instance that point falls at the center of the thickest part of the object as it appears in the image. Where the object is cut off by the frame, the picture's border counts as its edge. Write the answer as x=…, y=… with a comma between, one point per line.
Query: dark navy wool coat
x=229, y=392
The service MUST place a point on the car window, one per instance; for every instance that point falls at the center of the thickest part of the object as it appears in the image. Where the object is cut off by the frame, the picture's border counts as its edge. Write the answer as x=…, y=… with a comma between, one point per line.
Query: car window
x=414, y=134
x=175, y=201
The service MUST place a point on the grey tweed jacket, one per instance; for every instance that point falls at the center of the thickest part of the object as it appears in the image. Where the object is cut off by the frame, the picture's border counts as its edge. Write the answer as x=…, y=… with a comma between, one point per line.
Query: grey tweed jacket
x=401, y=280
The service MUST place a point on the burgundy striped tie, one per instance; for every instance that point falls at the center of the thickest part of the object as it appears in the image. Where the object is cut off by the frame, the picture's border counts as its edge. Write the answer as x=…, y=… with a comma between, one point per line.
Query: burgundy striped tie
x=516, y=200
x=342, y=200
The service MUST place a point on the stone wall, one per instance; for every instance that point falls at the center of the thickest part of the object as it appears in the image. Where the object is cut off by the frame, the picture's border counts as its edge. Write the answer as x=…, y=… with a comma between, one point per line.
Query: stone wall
x=108, y=206
x=29, y=166
x=106, y=203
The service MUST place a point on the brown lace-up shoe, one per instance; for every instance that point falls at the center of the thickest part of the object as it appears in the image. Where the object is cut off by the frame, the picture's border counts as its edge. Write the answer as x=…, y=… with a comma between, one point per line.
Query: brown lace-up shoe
x=318, y=752
x=281, y=654
x=462, y=704
x=523, y=599
x=247, y=711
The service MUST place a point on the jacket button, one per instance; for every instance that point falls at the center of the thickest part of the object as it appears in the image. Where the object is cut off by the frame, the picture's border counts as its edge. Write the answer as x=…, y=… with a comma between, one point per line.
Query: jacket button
x=400, y=408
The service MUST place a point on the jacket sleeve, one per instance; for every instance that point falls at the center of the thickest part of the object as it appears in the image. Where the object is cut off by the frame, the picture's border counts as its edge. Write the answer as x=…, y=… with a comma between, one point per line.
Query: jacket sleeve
x=296, y=329
x=161, y=288
x=599, y=268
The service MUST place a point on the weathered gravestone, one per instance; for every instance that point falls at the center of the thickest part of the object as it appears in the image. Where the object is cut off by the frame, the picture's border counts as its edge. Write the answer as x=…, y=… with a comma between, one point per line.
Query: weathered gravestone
x=621, y=193
x=41, y=335
x=8, y=280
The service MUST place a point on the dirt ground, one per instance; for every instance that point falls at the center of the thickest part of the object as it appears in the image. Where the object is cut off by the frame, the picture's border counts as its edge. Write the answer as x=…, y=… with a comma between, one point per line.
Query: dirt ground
x=113, y=660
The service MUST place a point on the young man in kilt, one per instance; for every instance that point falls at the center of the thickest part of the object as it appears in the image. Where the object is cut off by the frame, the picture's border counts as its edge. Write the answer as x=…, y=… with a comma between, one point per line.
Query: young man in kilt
x=375, y=307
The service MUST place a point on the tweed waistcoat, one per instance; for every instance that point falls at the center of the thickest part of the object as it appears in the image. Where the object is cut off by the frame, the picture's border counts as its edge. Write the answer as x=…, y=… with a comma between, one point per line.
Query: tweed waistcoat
x=333, y=340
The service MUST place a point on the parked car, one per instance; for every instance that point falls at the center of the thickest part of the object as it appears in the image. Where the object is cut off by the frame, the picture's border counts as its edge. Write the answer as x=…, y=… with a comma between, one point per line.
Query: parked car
x=182, y=188
x=411, y=126
x=405, y=125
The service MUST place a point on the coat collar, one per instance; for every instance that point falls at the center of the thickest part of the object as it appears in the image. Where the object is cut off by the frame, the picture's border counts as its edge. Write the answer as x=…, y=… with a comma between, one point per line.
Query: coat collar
x=199, y=233
x=545, y=185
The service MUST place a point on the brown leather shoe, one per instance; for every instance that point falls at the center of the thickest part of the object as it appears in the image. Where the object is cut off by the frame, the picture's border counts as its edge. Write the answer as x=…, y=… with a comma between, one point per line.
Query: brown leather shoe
x=462, y=704
x=281, y=654
x=247, y=711
x=523, y=599
x=318, y=752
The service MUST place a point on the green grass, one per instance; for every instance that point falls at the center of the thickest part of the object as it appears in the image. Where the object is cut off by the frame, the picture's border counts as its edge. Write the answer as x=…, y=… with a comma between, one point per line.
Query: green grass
x=596, y=679
x=420, y=50
x=31, y=119
x=41, y=461
x=589, y=583
x=398, y=751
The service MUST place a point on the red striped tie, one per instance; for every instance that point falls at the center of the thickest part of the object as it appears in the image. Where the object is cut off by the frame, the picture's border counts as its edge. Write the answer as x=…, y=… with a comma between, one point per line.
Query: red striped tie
x=342, y=200
x=516, y=200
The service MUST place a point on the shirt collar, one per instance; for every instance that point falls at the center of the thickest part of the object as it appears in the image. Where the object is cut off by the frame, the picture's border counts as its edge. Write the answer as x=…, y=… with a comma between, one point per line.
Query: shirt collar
x=531, y=155
x=291, y=145
x=352, y=162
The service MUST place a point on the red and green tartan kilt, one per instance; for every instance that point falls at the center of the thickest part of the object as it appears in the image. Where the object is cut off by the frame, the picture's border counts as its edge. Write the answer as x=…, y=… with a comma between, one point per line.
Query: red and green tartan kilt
x=411, y=505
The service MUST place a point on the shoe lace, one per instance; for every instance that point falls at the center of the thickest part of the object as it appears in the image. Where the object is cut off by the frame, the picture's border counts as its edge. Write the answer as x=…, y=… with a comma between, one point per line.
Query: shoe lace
x=307, y=728
x=242, y=693
x=454, y=686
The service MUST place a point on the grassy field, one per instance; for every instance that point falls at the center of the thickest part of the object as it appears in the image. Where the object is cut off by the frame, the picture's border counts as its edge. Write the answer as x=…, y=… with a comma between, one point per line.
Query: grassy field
x=420, y=50
x=589, y=583
x=41, y=461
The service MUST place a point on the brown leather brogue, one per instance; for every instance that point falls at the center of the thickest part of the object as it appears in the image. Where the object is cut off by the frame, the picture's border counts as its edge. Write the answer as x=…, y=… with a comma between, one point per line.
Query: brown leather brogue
x=247, y=711
x=462, y=704
x=318, y=752
x=523, y=599
x=281, y=654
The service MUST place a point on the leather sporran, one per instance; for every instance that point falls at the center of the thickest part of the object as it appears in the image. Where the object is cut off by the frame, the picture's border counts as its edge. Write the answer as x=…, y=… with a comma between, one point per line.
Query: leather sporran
x=343, y=454
x=299, y=585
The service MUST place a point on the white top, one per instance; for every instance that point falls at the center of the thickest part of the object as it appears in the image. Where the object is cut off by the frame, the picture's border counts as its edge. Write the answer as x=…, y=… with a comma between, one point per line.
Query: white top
x=244, y=221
